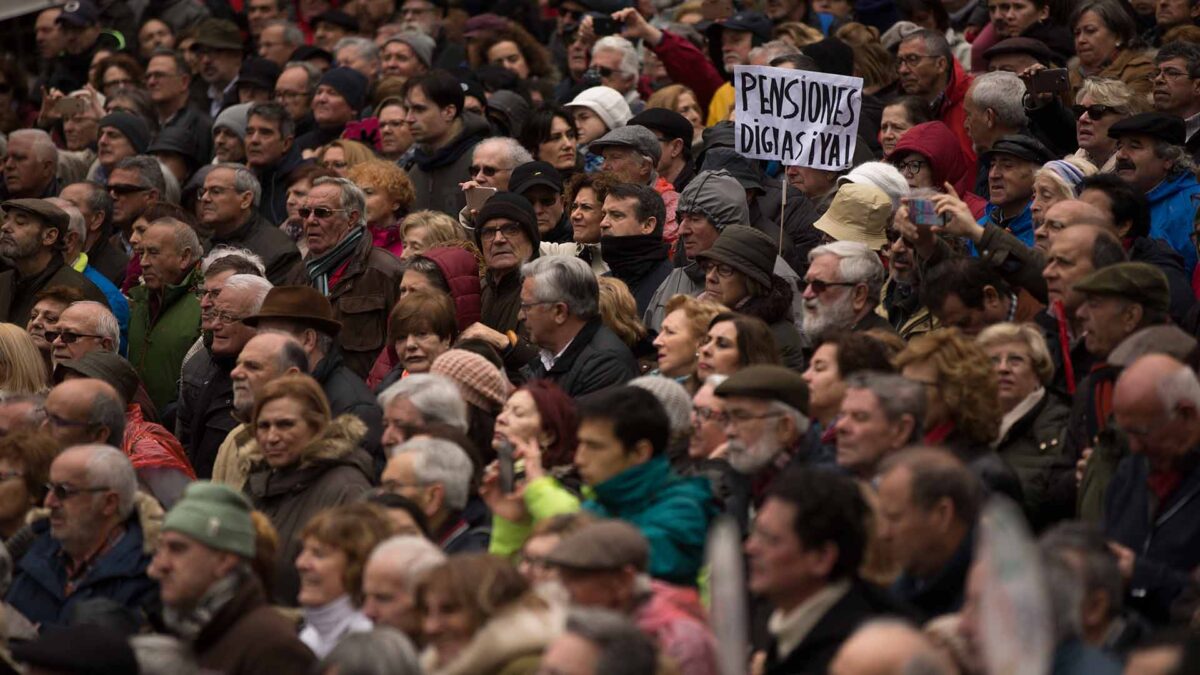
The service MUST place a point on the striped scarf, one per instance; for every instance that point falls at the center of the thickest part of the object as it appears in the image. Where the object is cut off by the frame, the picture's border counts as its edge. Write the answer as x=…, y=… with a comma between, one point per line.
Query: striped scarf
x=320, y=268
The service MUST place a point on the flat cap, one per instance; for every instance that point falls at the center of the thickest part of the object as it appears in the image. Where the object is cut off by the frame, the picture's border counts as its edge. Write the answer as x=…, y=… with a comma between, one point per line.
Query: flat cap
x=666, y=122
x=1022, y=45
x=606, y=545
x=1168, y=128
x=1023, y=147
x=637, y=137
x=1138, y=282
x=42, y=209
x=773, y=383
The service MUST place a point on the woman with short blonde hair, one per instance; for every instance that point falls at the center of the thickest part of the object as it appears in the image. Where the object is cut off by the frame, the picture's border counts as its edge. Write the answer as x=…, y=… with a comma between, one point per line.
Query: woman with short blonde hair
x=423, y=230
x=1110, y=100
x=22, y=370
x=339, y=155
x=618, y=311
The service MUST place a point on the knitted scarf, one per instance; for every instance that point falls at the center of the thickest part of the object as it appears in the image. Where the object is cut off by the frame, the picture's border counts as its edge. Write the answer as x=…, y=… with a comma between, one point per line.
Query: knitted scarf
x=187, y=624
x=319, y=268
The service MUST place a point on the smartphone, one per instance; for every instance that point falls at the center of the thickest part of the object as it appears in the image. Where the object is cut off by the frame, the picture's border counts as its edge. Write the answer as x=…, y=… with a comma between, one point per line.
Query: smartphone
x=1049, y=81
x=604, y=25
x=921, y=209
x=69, y=106
x=508, y=472
x=478, y=196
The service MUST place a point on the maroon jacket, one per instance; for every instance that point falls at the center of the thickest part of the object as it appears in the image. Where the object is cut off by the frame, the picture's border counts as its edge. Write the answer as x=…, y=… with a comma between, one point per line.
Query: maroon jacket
x=937, y=143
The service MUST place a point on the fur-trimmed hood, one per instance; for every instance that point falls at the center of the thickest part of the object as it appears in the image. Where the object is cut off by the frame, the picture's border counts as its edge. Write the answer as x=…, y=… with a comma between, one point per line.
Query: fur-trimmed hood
x=522, y=630
x=336, y=444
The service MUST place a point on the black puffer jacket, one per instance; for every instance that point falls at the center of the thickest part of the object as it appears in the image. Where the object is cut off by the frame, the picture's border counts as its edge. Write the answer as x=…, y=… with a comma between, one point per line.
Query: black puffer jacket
x=1035, y=447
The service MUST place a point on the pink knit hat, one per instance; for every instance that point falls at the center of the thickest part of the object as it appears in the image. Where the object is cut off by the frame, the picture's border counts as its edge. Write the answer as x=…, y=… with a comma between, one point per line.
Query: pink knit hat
x=482, y=384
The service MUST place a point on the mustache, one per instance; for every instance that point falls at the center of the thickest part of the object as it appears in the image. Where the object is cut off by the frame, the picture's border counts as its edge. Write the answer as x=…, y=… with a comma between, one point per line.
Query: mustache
x=1125, y=165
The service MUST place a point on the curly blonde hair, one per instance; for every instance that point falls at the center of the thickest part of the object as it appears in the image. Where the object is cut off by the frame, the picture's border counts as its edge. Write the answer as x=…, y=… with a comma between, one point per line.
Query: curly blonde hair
x=618, y=310
x=355, y=152
x=699, y=313
x=965, y=380
x=385, y=176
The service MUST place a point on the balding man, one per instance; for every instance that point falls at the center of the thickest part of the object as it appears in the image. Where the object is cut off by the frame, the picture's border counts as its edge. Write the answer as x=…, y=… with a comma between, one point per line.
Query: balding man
x=390, y=580
x=888, y=647
x=91, y=547
x=229, y=204
x=85, y=327
x=31, y=165
x=164, y=312
x=1151, y=512
x=83, y=411
x=1065, y=214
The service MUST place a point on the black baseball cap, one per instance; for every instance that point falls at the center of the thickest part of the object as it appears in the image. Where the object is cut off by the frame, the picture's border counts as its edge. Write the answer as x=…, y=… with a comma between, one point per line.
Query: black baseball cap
x=667, y=122
x=530, y=174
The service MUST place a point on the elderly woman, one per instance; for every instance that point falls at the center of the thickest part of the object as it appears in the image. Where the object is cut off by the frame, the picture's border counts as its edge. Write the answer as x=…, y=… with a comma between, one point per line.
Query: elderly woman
x=421, y=328
x=899, y=116
x=739, y=272
x=1098, y=103
x=389, y=197
x=733, y=342
x=1105, y=33
x=684, y=327
x=422, y=230
x=48, y=304
x=1033, y=429
x=336, y=545
x=1056, y=181
x=338, y=156
x=479, y=616
x=302, y=462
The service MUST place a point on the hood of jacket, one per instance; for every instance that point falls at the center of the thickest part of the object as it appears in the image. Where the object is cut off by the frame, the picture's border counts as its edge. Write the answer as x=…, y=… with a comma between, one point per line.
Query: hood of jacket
x=935, y=142
x=461, y=270
x=956, y=89
x=718, y=196
x=523, y=629
x=1171, y=187
x=474, y=129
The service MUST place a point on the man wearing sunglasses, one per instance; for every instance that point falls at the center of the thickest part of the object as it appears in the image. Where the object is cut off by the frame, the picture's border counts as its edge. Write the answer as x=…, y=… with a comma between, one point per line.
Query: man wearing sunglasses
x=134, y=183
x=542, y=185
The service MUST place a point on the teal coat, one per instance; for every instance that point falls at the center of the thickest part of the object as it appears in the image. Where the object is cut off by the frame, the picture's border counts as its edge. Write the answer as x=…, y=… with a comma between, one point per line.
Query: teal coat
x=157, y=345
x=673, y=513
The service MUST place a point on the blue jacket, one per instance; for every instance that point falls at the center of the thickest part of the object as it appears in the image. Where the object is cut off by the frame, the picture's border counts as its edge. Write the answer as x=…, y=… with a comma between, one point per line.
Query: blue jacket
x=1171, y=215
x=673, y=513
x=38, y=585
x=117, y=302
x=1021, y=227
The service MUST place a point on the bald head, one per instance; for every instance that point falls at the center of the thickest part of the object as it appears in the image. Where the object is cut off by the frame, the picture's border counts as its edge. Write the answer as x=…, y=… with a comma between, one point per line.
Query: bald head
x=887, y=647
x=85, y=410
x=1156, y=403
x=1069, y=213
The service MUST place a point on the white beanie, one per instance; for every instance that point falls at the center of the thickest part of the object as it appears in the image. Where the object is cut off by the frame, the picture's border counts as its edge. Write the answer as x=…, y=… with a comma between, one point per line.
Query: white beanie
x=608, y=104
x=881, y=175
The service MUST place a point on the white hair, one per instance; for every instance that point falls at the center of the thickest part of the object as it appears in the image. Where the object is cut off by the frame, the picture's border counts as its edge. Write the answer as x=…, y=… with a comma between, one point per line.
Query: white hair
x=41, y=143
x=1180, y=387
x=104, y=323
x=257, y=288
x=565, y=279
x=516, y=153
x=436, y=460
x=224, y=250
x=110, y=468
x=412, y=554
x=365, y=48
x=436, y=397
x=244, y=180
x=630, y=63
x=1003, y=93
x=857, y=263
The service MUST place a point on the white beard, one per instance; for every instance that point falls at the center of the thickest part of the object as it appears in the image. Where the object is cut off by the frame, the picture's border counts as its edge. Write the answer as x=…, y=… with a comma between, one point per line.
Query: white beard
x=820, y=319
x=749, y=460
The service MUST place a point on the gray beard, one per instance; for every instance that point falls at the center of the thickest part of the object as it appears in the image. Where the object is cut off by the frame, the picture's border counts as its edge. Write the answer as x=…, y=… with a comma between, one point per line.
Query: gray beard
x=749, y=460
x=827, y=318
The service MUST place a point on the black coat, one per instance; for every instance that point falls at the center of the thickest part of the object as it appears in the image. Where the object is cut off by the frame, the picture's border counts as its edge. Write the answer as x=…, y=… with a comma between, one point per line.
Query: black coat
x=943, y=593
x=349, y=395
x=1162, y=256
x=596, y=359
x=211, y=418
x=278, y=251
x=1035, y=447
x=109, y=258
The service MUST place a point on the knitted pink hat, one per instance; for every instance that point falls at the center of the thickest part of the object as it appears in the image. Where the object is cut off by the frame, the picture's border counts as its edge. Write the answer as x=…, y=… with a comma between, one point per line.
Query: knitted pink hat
x=482, y=384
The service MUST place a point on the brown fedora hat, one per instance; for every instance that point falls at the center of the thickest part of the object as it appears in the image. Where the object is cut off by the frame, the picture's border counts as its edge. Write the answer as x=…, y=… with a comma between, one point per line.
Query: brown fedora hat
x=302, y=304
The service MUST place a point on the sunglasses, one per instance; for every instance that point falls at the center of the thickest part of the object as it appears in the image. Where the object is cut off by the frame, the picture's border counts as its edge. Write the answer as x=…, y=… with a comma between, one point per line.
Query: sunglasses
x=62, y=492
x=488, y=171
x=1096, y=112
x=120, y=189
x=605, y=72
x=321, y=212
x=544, y=202
x=67, y=336
x=819, y=287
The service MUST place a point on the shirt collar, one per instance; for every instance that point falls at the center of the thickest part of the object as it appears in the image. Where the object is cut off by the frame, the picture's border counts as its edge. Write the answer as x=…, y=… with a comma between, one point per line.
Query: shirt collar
x=790, y=628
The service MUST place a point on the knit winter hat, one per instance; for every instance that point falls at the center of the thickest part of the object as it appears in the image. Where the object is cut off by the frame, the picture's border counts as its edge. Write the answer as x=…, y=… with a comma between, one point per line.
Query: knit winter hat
x=608, y=104
x=216, y=516
x=746, y=250
x=482, y=384
x=131, y=127
x=234, y=118
x=512, y=206
x=673, y=397
x=421, y=44
x=883, y=176
x=348, y=82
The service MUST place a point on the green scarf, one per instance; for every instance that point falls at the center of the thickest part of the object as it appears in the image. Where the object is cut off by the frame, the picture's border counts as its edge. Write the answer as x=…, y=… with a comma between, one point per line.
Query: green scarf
x=320, y=268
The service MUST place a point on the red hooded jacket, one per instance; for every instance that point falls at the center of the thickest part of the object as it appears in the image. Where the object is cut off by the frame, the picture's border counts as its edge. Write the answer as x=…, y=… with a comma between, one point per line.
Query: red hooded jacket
x=936, y=142
x=952, y=112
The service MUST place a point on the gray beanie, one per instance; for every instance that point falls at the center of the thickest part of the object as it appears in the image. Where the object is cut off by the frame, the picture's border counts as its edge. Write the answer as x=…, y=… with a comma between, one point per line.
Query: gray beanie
x=234, y=118
x=718, y=196
x=421, y=44
x=673, y=397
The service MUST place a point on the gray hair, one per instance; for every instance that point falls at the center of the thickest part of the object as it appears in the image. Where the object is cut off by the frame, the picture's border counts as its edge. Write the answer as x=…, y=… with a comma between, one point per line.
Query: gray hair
x=379, y=651
x=623, y=648
x=365, y=48
x=149, y=171
x=353, y=198
x=225, y=250
x=42, y=145
x=857, y=263
x=1064, y=592
x=185, y=236
x=436, y=460
x=630, y=63
x=75, y=221
x=1181, y=386
x=243, y=180
x=773, y=50
x=291, y=32
x=413, y=554
x=436, y=397
x=313, y=73
x=1003, y=93
x=257, y=287
x=104, y=323
x=516, y=153
x=1098, y=569
x=163, y=655
x=898, y=396
x=935, y=45
x=98, y=199
x=108, y=467
x=799, y=419
x=1180, y=159
x=565, y=279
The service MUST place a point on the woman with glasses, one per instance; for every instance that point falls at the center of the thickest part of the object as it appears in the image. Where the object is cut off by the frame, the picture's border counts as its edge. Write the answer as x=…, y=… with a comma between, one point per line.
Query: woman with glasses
x=117, y=71
x=1106, y=46
x=929, y=155
x=1098, y=103
x=389, y=195
x=302, y=461
x=338, y=156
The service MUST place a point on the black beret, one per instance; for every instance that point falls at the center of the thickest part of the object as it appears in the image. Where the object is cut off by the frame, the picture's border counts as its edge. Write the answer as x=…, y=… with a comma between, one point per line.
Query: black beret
x=1169, y=128
x=1023, y=147
x=667, y=122
x=1022, y=45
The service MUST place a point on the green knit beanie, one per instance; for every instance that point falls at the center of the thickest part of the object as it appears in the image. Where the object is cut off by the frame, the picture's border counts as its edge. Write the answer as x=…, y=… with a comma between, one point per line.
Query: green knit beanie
x=216, y=516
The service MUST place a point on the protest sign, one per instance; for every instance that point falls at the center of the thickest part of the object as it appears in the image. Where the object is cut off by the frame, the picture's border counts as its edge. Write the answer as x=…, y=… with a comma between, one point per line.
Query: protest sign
x=796, y=117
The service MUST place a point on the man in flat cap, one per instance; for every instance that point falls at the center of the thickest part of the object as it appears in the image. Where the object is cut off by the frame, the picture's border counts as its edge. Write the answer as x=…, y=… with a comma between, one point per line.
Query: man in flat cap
x=1016, y=55
x=1151, y=157
x=1013, y=160
x=603, y=565
x=632, y=154
x=1177, y=84
x=32, y=237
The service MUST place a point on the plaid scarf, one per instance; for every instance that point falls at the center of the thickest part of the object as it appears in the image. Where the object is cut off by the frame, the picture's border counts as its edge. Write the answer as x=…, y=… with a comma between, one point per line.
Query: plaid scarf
x=320, y=268
x=187, y=624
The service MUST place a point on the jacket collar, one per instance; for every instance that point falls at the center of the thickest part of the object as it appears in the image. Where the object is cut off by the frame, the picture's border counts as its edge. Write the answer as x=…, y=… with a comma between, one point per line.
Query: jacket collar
x=582, y=339
x=634, y=486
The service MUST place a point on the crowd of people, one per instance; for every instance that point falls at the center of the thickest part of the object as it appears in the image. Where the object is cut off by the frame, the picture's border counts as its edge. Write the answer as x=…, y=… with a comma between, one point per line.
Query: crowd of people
x=416, y=336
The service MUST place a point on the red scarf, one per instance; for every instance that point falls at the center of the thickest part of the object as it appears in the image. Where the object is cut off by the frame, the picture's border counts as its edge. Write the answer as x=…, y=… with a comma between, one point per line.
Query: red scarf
x=1064, y=343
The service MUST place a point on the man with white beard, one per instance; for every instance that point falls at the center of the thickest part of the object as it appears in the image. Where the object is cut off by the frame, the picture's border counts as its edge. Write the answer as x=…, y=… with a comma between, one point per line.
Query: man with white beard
x=841, y=290
x=766, y=412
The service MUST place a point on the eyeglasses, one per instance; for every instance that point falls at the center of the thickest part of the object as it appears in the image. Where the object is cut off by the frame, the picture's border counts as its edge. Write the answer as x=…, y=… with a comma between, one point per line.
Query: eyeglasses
x=202, y=293
x=912, y=167
x=488, y=171
x=68, y=337
x=605, y=72
x=710, y=415
x=321, y=212
x=62, y=491
x=281, y=95
x=1095, y=112
x=1167, y=73
x=226, y=318
x=724, y=271
x=544, y=202
x=509, y=230
x=912, y=60
x=819, y=287
x=124, y=189
x=215, y=191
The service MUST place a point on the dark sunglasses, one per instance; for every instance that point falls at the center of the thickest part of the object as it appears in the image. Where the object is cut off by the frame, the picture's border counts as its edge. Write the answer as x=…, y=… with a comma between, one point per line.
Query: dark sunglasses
x=321, y=212
x=488, y=171
x=62, y=492
x=67, y=336
x=120, y=189
x=819, y=287
x=605, y=72
x=1095, y=112
x=544, y=202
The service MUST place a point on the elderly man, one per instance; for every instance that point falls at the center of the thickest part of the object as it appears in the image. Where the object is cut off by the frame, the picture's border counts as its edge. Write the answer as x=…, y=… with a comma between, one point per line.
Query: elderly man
x=880, y=415
x=674, y=135
x=417, y=402
x=993, y=108
x=104, y=249
x=134, y=183
x=30, y=165
x=560, y=308
x=278, y=40
x=360, y=54
x=617, y=61
x=85, y=327
x=270, y=154
x=597, y=641
x=307, y=316
x=1012, y=162
x=1177, y=86
x=32, y=239
x=436, y=474
x=211, y=596
x=631, y=153
x=631, y=240
x=929, y=71
x=1150, y=157
x=164, y=312
x=361, y=281
x=168, y=80
x=390, y=581
x=294, y=91
x=507, y=236
x=81, y=411
x=91, y=547
x=542, y=184
x=21, y=413
x=809, y=511
x=218, y=49
x=842, y=289
x=230, y=206
x=341, y=94
x=407, y=54
x=444, y=137
x=603, y=565
x=492, y=163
